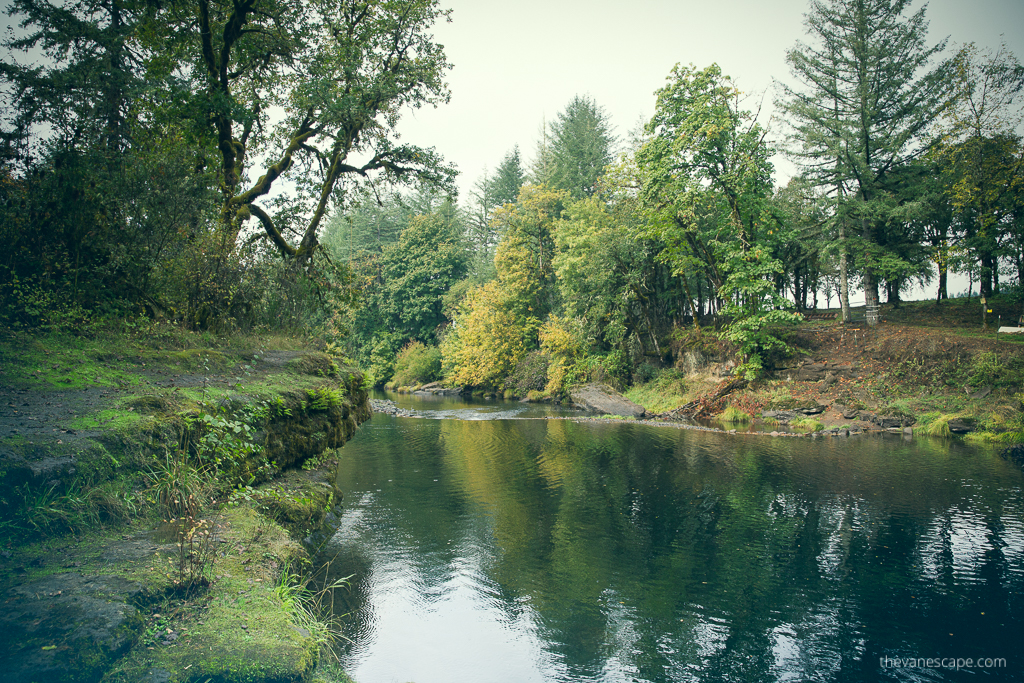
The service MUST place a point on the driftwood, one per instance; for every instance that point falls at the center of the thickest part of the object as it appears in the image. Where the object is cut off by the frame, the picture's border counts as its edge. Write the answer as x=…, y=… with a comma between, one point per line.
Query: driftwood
x=704, y=405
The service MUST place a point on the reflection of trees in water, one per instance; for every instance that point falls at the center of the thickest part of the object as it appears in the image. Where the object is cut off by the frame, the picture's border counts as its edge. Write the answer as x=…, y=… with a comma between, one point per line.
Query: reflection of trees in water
x=674, y=554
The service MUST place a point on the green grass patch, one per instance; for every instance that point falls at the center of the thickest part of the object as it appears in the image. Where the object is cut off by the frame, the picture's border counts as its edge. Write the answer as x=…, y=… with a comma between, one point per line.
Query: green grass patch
x=934, y=424
x=733, y=415
x=114, y=419
x=805, y=424
x=667, y=391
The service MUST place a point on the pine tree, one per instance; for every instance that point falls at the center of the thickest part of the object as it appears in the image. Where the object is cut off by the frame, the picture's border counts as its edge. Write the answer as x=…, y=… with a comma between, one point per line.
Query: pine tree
x=866, y=99
x=578, y=149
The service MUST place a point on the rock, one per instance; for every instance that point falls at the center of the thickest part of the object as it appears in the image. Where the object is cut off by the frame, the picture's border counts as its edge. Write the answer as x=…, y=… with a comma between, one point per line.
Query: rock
x=960, y=425
x=601, y=398
x=780, y=416
x=67, y=626
x=1014, y=453
x=982, y=392
x=893, y=421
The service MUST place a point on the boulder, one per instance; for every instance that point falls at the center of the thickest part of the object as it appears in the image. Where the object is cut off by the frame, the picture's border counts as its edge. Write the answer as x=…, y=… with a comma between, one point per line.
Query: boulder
x=601, y=398
x=960, y=425
x=780, y=416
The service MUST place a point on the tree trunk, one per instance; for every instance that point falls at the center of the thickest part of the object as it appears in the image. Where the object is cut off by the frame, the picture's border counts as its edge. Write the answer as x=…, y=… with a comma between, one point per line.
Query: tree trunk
x=844, y=280
x=985, y=277
x=871, y=297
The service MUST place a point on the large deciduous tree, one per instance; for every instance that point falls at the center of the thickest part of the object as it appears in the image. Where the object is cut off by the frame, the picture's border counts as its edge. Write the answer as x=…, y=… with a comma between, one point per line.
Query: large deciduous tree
x=866, y=97
x=706, y=177
x=341, y=71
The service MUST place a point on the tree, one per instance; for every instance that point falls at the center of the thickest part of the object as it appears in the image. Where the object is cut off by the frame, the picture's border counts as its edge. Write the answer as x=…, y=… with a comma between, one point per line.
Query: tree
x=706, y=177
x=489, y=193
x=84, y=87
x=980, y=153
x=580, y=148
x=402, y=287
x=866, y=98
x=498, y=322
x=340, y=70
x=508, y=179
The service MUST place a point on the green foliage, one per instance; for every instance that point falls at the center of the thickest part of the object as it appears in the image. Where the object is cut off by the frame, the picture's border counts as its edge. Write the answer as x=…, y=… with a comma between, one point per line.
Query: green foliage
x=417, y=364
x=530, y=374
x=608, y=275
x=666, y=391
x=706, y=175
x=580, y=148
x=498, y=322
x=178, y=485
x=565, y=344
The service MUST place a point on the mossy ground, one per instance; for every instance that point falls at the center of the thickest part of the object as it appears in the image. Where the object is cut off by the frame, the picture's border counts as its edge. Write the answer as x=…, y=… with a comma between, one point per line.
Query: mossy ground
x=237, y=629
x=86, y=419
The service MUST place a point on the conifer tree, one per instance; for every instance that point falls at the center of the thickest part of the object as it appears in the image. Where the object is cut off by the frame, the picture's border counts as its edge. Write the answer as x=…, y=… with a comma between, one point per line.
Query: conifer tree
x=866, y=98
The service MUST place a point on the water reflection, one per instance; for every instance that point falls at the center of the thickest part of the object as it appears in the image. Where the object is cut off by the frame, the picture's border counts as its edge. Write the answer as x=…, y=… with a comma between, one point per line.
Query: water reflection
x=549, y=550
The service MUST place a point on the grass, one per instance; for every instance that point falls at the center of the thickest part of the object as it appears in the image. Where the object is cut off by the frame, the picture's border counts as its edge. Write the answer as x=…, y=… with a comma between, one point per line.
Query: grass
x=733, y=415
x=806, y=424
x=667, y=391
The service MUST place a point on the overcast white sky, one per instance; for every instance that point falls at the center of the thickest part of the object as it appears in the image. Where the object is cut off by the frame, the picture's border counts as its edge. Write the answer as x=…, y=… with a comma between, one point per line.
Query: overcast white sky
x=517, y=63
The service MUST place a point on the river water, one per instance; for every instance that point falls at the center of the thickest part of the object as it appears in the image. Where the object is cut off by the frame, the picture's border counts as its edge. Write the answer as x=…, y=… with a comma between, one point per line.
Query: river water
x=487, y=547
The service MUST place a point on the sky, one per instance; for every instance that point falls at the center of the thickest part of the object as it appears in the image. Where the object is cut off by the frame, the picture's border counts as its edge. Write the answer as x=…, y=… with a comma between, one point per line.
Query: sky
x=518, y=64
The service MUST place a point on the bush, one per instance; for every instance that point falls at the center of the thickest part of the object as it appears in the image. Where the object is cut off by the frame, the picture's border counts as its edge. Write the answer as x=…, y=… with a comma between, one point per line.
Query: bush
x=530, y=374
x=417, y=364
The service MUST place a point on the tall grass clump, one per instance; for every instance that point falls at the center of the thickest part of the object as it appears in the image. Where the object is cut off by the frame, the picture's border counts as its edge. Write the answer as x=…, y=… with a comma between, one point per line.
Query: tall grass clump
x=806, y=424
x=733, y=415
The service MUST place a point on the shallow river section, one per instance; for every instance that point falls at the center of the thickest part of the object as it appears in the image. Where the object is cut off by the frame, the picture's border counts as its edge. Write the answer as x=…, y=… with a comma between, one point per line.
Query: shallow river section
x=488, y=547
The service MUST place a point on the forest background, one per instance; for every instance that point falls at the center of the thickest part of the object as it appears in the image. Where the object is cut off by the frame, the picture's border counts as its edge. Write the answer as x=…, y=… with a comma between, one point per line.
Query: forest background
x=238, y=166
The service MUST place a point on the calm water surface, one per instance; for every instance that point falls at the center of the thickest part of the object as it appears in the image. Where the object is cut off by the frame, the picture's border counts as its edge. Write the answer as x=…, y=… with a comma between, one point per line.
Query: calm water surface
x=486, y=548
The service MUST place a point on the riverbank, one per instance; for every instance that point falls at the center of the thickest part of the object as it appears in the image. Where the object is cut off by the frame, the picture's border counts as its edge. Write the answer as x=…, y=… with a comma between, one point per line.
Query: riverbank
x=155, y=487
x=927, y=368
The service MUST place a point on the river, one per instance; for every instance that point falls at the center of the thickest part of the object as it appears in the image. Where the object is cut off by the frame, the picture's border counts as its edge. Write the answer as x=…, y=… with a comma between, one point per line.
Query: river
x=487, y=547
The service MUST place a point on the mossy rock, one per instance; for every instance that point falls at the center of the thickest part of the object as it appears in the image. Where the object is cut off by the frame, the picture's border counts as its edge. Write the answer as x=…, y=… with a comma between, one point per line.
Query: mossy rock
x=316, y=364
x=153, y=404
x=793, y=404
x=301, y=509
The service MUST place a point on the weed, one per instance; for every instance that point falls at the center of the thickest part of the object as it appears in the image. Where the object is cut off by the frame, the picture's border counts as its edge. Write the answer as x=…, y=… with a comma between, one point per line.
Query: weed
x=805, y=424
x=733, y=415
x=934, y=424
x=667, y=391
x=178, y=485
x=195, y=557
x=312, y=609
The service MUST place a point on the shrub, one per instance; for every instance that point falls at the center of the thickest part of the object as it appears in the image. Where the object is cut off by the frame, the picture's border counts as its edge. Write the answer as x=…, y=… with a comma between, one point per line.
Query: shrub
x=417, y=364
x=530, y=374
x=564, y=341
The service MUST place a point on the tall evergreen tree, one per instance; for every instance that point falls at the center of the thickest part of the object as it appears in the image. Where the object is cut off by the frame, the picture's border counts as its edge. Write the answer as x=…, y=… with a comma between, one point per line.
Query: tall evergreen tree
x=581, y=146
x=508, y=179
x=867, y=95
